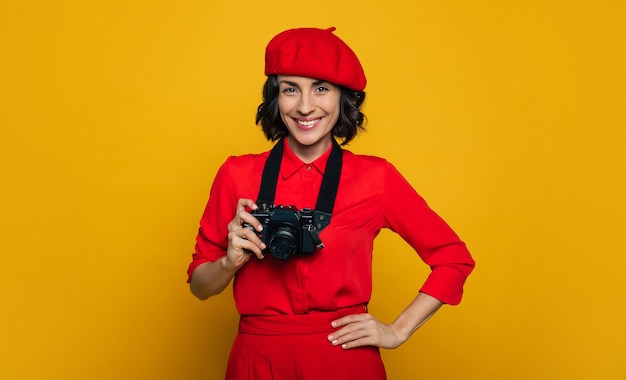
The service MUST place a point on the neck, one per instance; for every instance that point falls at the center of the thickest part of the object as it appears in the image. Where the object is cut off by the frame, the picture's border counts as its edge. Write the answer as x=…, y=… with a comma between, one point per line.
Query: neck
x=309, y=153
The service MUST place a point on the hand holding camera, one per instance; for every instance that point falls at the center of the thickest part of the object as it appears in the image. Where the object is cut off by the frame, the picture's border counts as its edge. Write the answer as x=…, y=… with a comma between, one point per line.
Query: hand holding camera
x=287, y=231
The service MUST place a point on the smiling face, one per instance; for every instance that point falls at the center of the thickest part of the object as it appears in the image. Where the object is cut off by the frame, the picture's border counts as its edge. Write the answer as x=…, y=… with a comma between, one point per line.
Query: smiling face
x=310, y=109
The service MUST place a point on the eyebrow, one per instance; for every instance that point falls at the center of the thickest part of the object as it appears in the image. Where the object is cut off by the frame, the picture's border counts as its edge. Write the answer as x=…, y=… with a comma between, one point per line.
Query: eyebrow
x=294, y=84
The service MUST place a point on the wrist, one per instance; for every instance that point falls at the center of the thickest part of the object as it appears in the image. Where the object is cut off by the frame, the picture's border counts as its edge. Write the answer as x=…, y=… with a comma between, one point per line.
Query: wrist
x=402, y=332
x=228, y=266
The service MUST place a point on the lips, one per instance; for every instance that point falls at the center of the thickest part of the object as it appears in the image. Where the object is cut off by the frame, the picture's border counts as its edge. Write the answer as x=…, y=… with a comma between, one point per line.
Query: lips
x=307, y=124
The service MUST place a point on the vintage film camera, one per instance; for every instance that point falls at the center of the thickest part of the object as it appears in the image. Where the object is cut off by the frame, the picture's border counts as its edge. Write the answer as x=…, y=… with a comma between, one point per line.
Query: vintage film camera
x=287, y=231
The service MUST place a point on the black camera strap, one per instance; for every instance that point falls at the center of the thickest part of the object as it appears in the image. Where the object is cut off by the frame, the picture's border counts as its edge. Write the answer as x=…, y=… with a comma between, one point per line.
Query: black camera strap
x=328, y=189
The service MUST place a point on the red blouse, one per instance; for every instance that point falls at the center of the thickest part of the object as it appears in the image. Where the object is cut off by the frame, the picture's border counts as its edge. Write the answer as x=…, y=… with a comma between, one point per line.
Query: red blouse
x=372, y=195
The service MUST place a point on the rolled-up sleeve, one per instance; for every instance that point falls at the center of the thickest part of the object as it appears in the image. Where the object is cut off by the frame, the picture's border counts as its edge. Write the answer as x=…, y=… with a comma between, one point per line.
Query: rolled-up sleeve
x=406, y=213
x=212, y=238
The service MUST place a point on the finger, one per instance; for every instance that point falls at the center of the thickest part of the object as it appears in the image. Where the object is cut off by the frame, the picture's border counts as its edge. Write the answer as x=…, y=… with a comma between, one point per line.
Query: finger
x=243, y=216
x=353, y=324
x=347, y=338
x=252, y=237
x=352, y=318
x=365, y=341
x=238, y=256
x=253, y=250
x=246, y=240
x=244, y=204
x=246, y=220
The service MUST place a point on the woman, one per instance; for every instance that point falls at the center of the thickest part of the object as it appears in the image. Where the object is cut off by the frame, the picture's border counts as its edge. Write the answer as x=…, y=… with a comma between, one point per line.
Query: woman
x=304, y=316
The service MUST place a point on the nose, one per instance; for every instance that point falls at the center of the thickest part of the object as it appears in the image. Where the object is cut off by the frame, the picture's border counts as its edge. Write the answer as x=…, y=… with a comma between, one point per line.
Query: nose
x=306, y=104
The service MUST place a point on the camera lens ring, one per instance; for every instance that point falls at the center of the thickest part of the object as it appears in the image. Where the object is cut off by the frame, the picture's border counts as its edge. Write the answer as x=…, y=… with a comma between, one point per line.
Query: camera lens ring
x=283, y=242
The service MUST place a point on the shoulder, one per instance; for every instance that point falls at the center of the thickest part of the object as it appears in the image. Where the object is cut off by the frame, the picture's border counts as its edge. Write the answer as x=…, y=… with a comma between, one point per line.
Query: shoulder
x=244, y=163
x=240, y=175
x=371, y=168
x=363, y=161
x=234, y=168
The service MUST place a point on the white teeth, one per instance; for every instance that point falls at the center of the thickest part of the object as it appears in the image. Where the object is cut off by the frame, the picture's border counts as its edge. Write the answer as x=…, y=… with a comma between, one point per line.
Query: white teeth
x=307, y=123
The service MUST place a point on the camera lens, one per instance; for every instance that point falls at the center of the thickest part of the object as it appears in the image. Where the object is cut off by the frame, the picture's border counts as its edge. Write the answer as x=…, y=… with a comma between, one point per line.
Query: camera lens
x=283, y=242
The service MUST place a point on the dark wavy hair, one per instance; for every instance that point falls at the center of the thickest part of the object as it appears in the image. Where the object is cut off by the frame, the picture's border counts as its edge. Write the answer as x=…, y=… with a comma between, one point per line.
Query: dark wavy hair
x=351, y=119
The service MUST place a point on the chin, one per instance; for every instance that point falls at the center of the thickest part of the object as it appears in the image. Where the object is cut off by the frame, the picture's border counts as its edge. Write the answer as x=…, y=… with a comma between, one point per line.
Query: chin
x=307, y=141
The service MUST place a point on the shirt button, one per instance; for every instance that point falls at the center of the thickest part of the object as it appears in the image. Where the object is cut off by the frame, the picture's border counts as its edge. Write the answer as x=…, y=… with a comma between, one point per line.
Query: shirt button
x=308, y=167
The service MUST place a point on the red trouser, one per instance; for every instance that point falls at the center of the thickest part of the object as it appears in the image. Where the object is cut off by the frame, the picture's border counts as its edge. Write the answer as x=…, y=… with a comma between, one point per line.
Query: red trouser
x=296, y=347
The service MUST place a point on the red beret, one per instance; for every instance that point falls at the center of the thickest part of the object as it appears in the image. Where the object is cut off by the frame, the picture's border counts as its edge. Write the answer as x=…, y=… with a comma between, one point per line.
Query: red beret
x=314, y=53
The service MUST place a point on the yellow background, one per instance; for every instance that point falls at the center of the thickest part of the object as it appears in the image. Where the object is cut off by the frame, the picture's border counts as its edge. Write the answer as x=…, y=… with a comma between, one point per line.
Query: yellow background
x=507, y=116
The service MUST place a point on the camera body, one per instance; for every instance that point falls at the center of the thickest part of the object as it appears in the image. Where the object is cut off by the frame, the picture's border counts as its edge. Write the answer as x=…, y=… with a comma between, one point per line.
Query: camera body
x=287, y=231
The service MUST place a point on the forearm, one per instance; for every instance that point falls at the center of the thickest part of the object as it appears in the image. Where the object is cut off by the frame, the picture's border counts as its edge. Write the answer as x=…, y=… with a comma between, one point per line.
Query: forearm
x=415, y=315
x=211, y=278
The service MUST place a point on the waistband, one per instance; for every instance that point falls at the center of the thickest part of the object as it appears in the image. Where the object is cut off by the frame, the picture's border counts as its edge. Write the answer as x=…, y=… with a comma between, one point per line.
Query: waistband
x=311, y=323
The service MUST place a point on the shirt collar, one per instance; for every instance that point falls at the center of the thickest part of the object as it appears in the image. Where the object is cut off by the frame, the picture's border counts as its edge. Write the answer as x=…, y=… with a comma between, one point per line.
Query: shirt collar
x=292, y=163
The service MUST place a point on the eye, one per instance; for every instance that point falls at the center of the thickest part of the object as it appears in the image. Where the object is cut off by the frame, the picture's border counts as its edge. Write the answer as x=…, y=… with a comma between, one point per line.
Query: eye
x=289, y=90
x=322, y=89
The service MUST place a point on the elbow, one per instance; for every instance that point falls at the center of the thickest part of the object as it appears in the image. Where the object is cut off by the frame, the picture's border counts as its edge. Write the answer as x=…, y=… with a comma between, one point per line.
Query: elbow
x=206, y=281
x=200, y=292
x=199, y=295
